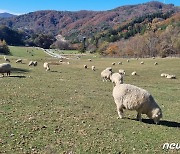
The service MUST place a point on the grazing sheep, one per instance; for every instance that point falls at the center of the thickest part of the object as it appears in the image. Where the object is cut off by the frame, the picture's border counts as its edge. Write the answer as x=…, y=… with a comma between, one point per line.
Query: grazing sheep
x=60, y=60
x=31, y=63
x=105, y=74
x=155, y=63
x=153, y=57
x=68, y=62
x=164, y=75
x=113, y=63
x=90, y=59
x=5, y=68
x=170, y=76
x=6, y=59
x=19, y=61
x=46, y=66
x=119, y=63
x=85, y=66
x=93, y=68
x=122, y=72
x=35, y=63
x=128, y=60
x=142, y=62
x=116, y=78
x=134, y=73
x=130, y=97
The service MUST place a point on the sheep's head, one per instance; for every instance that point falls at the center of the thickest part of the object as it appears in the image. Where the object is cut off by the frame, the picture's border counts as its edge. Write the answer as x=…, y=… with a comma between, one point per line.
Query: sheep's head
x=157, y=115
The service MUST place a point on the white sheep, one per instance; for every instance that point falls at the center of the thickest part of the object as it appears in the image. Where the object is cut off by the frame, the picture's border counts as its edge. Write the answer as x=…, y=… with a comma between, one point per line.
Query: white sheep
x=130, y=97
x=35, y=63
x=116, y=78
x=109, y=68
x=134, y=73
x=19, y=61
x=5, y=68
x=120, y=63
x=68, y=62
x=31, y=63
x=122, y=72
x=113, y=63
x=164, y=75
x=155, y=63
x=46, y=66
x=128, y=60
x=105, y=74
x=170, y=76
x=85, y=66
x=6, y=59
x=93, y=68
x=89, y=59
x=142, y=62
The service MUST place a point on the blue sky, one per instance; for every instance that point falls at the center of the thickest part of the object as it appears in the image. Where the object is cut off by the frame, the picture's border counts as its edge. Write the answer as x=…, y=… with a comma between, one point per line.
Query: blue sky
x=25, y=6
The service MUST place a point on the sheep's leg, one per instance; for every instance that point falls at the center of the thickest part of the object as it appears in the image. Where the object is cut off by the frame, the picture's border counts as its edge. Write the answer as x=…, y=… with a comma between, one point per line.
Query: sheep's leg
x=120, y=111
x=139, y=116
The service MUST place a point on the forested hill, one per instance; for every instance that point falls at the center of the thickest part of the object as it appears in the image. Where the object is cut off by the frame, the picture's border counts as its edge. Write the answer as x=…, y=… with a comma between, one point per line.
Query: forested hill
x=83, y=23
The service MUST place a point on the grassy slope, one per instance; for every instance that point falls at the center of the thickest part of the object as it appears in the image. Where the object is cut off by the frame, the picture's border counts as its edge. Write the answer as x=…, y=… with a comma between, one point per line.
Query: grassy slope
x=71, y=109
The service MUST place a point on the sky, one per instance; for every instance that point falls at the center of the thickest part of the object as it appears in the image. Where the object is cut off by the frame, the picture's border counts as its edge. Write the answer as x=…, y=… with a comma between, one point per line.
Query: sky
x=25, y=6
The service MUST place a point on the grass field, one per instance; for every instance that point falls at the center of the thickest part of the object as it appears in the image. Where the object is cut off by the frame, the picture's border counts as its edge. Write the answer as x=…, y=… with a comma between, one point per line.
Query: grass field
x=70, y=109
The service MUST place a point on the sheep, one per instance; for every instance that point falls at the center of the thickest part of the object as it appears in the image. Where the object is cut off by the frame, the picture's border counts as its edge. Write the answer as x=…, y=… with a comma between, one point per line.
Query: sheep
x=170, y=76
x=122, y=72
x=113, y=63
x=116, y=78
x=119, y=63
x=105, y=74
x=142, y=62
x=89, y=59
x=19, y=61
x=85, y=66
x=6, y=59
x=134, y=73
x=164, y=75
x=31, y=63
x=46, y=66
x=130, y=97
x=35, y=63
x=93, y=68
x=155, y=63
x=109, y=68
x=68, y=62
x=5, y=68
x=128, y=60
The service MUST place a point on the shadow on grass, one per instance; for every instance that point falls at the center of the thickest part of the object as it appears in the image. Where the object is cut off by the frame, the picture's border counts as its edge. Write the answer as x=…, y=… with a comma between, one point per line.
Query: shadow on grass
x=17, y=76
x=162, y=122
x=19, y=70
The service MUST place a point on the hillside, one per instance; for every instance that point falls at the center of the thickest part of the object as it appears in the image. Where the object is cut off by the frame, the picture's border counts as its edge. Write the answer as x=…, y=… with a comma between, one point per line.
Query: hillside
x=83, y=23
x=6, y=15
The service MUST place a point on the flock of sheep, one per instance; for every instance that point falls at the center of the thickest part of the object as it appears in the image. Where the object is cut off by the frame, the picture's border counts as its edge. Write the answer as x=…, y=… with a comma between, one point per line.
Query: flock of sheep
x=126, y=96
x=6, y=67
x=130, y=97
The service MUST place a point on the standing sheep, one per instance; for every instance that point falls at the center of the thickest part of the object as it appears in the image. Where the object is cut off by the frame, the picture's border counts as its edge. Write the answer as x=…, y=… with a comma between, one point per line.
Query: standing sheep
x=170, y=76
x=93, y=68
x=105, y=74
x=142, y=62
x=116, y=78
x=31, y=63
x=6, y=59
x=35, y=63
x=155, y=63
x=130, y=97
x=46, y=66
x=122, y=72
x=5, y=68
x=85, y=66
x=134, y=73
x=89, y=59
x=119, y=63
x=19, y=61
